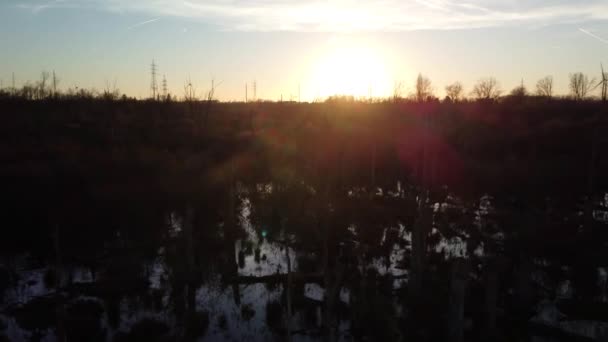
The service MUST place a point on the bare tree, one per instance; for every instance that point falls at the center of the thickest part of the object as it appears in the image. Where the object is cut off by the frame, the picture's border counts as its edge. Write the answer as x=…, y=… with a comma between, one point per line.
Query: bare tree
x=423, y=90
x=397, y=91
x=42, y=84
x=189, y=91
x=454, y=91
x=487, y=89
x=580, y=85
x=110, y=91
x=29, y=91
x=211, y=93
x=209, y=99
x=55, y=83
x=520, y=90
x=544, y=86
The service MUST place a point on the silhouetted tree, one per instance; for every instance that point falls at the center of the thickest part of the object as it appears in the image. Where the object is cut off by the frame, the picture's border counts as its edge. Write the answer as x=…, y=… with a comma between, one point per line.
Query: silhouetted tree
x=189, y=92
x=55, y=83
x=41, y=88
x=487, y=89
x=423, y=90
x=544, y=86
x=80, y=93
x=519, y=91
x=110, y=92
x=28, y=91
x=397, y=91
x=454, y=91
x=580, y=85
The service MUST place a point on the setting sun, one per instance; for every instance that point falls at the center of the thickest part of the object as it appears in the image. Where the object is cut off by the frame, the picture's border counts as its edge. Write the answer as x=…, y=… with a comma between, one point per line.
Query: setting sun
x=351, y=69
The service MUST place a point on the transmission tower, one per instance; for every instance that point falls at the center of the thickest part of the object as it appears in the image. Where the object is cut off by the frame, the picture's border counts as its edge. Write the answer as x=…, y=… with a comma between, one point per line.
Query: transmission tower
x=55, y=81
x=255, y=88
x=245, y=92
x=165, y=92
x=153, y=85
x=604, y=84
x=14, y=89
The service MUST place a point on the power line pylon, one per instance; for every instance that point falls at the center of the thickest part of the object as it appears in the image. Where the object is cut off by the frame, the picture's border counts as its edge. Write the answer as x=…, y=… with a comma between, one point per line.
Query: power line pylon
x=153, y=85
x=604, y=84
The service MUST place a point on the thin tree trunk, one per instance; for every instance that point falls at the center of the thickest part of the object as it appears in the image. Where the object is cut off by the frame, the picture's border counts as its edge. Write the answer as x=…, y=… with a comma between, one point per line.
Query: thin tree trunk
x=590, y=179
x=231, y=228
x=458, y=287
x=373, y=169
x=60, y=312
x=524, y=287
x=491, y=299
x=190, y=284
x=288, y=319
x=419, y=234
x=326, y=281
x=234, y=271
x=188, y=221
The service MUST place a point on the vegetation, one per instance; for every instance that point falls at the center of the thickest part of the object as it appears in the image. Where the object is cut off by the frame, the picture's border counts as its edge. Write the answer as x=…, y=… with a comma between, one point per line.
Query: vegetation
x=161, y=202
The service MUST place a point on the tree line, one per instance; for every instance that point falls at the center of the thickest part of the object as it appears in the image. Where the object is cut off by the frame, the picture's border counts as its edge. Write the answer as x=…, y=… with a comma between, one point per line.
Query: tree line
x=580, y=86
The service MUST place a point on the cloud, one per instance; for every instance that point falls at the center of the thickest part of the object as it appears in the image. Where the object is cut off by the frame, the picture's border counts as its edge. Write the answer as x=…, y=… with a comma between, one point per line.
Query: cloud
x=142, y=23
x=39, y=6
x=589, y=33
x=351, y=15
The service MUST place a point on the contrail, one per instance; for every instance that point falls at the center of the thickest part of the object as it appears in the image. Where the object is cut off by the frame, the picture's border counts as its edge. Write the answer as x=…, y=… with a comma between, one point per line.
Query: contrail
x=593, y=35
x=142, y=23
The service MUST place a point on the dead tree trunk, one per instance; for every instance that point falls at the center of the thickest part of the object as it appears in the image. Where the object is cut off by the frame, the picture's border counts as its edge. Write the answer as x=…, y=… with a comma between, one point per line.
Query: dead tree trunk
x=327, y=314
x=458, y=286
x=420, y=231
x=288, y=318
x=373, y=169
x=233, y=261
x=491, y=299
x=233, y=264
x=524, y=291
x=60, y=312
x=190, y=271
x=332, y=278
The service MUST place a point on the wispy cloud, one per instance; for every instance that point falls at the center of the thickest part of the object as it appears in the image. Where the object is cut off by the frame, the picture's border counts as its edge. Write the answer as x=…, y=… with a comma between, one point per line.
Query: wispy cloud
x=352, y=15
x=591, y=34
x=39, y=6
x=143, y=23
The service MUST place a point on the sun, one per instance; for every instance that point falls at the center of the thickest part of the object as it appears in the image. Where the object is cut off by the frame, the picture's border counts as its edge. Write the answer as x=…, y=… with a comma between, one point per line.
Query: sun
x=354, y=70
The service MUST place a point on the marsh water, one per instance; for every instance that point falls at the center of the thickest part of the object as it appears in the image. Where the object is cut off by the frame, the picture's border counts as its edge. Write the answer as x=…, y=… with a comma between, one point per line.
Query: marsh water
x=291, y=262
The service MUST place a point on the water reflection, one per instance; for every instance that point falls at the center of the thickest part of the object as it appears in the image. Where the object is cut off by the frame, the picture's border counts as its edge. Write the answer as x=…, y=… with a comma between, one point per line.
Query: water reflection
x=338, y=270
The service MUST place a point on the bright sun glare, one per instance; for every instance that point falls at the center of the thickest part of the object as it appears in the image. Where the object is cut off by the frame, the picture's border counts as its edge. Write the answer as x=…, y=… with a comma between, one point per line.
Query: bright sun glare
x=350, y=70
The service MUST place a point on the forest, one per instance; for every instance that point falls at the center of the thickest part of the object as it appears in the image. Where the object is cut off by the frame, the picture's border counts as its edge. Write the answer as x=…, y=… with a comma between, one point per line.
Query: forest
x=390, y=220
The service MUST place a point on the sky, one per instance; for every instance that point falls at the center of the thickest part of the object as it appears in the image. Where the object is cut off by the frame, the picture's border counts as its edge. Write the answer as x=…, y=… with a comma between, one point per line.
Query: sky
x=305, y=49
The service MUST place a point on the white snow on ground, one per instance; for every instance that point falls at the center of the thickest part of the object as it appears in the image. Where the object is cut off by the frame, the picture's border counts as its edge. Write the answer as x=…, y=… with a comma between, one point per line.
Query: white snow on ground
x=314, y=291
x=564, y=289
x=276, y=257
x=222, y=302
x=592, y=329
x=547, y=313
